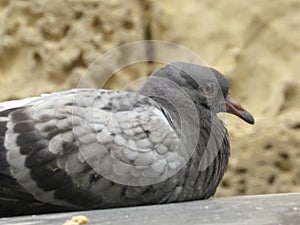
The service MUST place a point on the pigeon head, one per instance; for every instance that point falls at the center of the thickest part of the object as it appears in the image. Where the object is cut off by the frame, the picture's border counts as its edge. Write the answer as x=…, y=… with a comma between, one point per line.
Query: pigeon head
x=207, y=87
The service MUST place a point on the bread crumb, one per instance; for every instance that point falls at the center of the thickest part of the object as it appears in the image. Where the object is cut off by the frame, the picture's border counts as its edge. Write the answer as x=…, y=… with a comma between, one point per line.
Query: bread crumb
x=77, y=220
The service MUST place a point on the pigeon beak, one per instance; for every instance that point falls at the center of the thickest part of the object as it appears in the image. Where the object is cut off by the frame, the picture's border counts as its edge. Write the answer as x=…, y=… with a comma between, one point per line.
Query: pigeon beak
x=235, y=108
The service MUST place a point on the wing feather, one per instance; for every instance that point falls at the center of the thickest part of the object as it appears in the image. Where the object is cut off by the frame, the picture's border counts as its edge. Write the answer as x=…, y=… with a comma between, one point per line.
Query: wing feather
x=73, y=141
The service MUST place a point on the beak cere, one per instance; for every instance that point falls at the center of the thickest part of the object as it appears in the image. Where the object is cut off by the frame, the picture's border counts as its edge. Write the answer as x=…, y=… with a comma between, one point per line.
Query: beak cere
x=235, y=108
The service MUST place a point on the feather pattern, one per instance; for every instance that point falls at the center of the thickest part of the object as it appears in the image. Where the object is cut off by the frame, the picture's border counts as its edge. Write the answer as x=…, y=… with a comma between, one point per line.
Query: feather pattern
x=89, y=148
x=72, y=140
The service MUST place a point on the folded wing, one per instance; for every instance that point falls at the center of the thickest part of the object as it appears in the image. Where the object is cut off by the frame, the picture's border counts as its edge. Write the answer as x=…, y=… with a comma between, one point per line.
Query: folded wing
x=83, y=148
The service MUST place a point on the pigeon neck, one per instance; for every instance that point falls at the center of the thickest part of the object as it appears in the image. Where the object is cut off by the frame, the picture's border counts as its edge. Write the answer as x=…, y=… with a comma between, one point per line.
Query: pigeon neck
x=177, y=108
x=175, y=100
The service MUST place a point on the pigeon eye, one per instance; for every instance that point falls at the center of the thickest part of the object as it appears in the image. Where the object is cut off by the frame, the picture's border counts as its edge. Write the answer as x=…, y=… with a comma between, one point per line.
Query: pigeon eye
x=209, y=89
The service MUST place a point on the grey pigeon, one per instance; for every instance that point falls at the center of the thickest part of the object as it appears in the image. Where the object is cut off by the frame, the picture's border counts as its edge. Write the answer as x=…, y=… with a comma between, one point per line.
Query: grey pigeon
x=86, y=149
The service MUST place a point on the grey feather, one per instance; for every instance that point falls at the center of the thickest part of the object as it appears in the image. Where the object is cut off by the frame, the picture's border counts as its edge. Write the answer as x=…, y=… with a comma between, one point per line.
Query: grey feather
x=89, y=148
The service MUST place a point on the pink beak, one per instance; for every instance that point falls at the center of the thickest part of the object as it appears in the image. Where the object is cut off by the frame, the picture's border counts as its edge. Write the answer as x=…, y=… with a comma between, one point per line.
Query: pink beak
x=235, y=108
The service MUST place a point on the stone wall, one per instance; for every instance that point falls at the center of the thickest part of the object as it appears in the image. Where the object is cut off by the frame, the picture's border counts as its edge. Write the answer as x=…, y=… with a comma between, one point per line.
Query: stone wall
x=47, y=45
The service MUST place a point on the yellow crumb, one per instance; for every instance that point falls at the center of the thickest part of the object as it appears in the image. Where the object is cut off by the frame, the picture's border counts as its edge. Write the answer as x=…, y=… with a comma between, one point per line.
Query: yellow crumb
x=77, y=220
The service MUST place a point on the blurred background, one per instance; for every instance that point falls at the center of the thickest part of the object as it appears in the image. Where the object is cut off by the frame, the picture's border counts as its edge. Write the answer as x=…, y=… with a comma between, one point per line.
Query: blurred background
x=47, y=45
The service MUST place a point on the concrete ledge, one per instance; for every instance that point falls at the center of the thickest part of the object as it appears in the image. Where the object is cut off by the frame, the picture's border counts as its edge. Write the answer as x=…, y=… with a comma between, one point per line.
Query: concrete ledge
x=257, y=210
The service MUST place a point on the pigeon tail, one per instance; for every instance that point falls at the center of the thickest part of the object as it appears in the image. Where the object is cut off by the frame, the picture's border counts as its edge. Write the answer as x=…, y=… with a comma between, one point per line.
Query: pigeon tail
x=4, y=166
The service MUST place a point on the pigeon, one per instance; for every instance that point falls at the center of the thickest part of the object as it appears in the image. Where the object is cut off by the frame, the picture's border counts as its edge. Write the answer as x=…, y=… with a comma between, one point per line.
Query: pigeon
x=85, y=149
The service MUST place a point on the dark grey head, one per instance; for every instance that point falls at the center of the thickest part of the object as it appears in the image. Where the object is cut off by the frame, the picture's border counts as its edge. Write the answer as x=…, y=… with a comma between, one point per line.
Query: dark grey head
x=207, y=87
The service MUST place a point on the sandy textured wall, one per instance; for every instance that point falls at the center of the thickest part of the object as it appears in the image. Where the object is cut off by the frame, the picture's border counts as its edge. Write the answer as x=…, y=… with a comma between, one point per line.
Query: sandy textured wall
x=47, y=45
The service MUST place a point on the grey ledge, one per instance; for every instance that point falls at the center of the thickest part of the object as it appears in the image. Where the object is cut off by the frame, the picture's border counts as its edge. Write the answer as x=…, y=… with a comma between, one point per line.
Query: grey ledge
x=279, y=209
